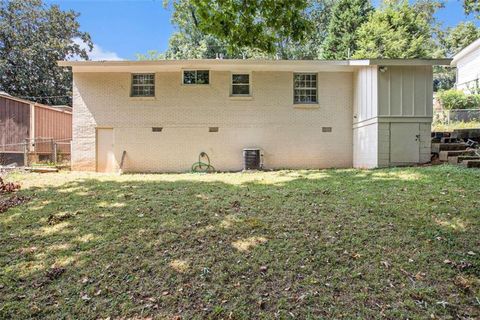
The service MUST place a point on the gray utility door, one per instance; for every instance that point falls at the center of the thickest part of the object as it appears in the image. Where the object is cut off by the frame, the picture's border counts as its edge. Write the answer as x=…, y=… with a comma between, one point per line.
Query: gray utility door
x=404, y=143
x=105, y=154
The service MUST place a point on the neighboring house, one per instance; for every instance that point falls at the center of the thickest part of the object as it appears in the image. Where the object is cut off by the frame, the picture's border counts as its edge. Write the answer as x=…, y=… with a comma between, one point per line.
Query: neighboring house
x=467, y=62
x=23, y=121
x=301, y=114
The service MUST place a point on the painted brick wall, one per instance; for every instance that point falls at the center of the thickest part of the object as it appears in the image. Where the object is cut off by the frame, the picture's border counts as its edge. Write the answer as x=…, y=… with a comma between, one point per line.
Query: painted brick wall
x=290, y=136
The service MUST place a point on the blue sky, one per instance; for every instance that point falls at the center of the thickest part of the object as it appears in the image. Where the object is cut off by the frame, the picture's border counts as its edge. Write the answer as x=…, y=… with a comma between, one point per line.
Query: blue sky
x=122, y=28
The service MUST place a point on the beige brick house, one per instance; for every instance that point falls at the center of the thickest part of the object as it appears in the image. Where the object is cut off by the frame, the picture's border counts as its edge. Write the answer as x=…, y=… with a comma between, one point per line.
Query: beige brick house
x=300, y=114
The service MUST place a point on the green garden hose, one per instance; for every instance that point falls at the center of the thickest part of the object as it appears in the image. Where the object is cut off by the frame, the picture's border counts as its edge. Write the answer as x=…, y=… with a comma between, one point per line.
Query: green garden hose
x=202, y=166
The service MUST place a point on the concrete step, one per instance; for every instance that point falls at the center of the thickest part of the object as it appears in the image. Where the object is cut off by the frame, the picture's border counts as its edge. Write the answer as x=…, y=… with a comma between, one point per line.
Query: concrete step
x=437, y=147
x=444, y=155
x=471, y=163
x=460, y=159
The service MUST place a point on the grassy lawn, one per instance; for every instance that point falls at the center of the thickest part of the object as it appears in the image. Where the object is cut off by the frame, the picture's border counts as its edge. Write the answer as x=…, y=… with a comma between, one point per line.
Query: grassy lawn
x=392, y=243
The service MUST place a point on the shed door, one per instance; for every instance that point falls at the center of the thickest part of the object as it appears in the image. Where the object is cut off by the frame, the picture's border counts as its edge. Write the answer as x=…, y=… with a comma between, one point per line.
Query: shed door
x=105, y=154
x=404, y=143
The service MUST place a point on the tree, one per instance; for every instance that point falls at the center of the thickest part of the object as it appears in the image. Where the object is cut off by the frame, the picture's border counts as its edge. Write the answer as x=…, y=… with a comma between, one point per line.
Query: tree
x=396, y=30
x=151, y=55
x=346, y=17
x=472, y=6
x=191, y=42
x=452, y=41
x=457, y=38
x=252, y=24
x=33, y=37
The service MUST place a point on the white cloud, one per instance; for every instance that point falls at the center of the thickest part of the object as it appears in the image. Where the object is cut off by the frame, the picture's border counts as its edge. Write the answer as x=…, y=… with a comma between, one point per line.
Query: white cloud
x=97, y=53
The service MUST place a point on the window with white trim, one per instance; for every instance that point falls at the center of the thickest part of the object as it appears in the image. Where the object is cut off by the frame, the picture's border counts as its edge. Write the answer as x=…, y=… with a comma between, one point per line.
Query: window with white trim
x=143, y=85
x=196, y=77
x=240, y=84
x=305, y=88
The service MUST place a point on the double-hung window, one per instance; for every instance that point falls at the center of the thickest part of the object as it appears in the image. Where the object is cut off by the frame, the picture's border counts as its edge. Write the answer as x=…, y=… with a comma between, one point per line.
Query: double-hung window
x=196, y=77
x=143, y=85
x=240, y=84
x=305, y=88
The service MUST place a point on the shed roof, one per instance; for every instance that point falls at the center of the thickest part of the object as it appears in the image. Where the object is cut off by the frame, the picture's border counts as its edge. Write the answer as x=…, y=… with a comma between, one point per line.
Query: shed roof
x=7, y=96
x=238, y=64
x=465, y=51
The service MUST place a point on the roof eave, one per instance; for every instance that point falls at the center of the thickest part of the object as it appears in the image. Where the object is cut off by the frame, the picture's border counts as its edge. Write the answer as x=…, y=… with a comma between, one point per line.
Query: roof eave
x=91, y=66
x=465, y=51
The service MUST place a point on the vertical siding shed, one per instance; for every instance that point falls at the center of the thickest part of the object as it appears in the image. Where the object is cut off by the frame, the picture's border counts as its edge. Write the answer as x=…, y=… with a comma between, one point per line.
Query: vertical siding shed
x=14, y=124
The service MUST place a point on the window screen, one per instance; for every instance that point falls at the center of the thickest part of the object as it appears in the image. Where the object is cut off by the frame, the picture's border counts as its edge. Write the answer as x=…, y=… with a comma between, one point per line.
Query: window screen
x=240, y=84
x=305, y=88
x=196, y=77
x=143, y=85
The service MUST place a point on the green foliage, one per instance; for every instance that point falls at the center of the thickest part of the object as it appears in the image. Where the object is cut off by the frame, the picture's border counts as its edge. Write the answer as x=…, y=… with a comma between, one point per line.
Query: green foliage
x=456, y=38
x=438, y=126
x=456, y=99
x=443, y=78
x=253, y=24
x=33, y=37
x=397, y=30
x=472, y=6
x=346, y=17
x=151, y=55
x=192, y=42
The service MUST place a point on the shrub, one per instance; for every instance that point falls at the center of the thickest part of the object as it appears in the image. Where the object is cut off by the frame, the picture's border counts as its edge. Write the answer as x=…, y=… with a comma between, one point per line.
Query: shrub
x=456, y=99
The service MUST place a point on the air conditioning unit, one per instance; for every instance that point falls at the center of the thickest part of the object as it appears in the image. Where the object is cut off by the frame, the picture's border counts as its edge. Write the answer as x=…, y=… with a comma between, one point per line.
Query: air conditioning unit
x=252, y=159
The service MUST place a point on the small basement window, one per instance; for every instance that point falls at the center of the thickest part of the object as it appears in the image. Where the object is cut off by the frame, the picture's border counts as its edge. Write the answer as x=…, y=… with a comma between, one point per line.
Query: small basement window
x=196, y=77
x=213, y=129
x=240, y=84
x=143, y=85
x=305, y=88
x=157, y=129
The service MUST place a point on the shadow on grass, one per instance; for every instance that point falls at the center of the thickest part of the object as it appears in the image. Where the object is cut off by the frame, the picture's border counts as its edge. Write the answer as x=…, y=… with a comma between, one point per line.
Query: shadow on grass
x=330, y=243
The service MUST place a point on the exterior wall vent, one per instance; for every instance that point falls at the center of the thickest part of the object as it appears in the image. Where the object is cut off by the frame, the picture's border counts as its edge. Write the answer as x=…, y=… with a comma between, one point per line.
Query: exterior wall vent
x=326, y=129
x=213, y=129
x=157, y=129
x=252, y=159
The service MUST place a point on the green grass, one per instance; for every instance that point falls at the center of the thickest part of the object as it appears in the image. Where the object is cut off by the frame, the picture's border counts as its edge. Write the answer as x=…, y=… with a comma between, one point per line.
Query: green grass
x=444, y=127
x=391, y=243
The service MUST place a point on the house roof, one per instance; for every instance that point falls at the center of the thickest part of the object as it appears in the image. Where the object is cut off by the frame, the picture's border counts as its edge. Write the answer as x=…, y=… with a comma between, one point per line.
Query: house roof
x=465, y=51
x=239, y=64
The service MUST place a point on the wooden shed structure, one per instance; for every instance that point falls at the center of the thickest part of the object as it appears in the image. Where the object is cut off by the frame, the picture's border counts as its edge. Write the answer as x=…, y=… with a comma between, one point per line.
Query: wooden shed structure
x=32, y=127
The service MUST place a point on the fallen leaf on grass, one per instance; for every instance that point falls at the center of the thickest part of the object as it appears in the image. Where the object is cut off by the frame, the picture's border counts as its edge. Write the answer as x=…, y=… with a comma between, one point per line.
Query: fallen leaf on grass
x=54, y=273
x=13, y=201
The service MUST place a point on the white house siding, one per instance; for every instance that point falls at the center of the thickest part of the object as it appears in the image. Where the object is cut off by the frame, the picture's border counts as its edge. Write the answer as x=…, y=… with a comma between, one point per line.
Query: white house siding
x=290, y=136
x=365, y=108
x=366, y=94
x=365, y=146
x=468, y=71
